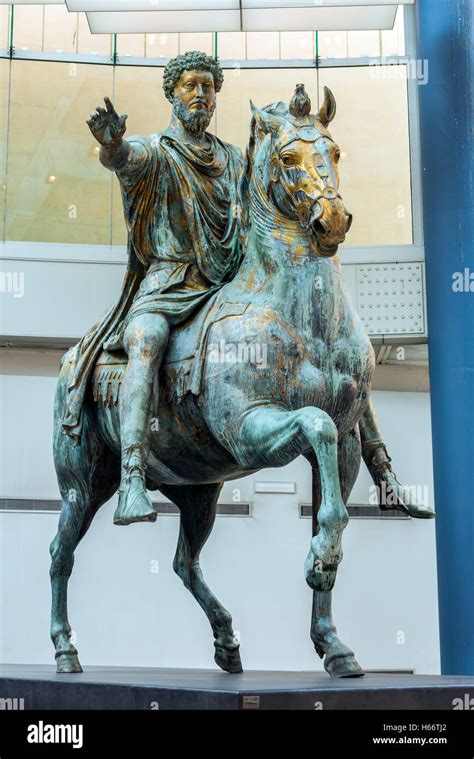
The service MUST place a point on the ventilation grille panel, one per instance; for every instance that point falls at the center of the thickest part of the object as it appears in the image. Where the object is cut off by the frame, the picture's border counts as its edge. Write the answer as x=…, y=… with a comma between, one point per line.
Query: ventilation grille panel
x=391, y=298
x=162, y=507
x=357, y=511
x=223, y=509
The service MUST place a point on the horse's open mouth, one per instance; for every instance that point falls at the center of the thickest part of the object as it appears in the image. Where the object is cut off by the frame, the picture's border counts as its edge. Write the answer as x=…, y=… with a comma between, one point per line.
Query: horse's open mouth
x=327, y=250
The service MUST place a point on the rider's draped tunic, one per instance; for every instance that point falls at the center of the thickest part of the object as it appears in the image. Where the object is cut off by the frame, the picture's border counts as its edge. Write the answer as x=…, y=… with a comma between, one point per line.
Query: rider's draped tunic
x=181, y=209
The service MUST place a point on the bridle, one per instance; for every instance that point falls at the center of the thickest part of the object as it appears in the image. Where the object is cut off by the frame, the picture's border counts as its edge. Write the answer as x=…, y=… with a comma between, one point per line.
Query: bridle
x=308, y=133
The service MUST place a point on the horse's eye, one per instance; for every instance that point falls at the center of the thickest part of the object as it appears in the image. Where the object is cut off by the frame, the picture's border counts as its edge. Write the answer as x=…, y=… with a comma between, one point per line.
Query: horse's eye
x=288, y=161
x=337, y=156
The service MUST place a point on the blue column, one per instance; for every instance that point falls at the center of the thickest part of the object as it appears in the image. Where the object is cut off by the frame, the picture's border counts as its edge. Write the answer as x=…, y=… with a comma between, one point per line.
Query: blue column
x=445, y=32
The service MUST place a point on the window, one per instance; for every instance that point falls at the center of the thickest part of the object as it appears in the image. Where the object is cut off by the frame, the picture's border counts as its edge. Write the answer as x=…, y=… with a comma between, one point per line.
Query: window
x=130, y=45
x=4, y=27
x=204, y=42
x=28, y=27
x=57, y=190
x=298, y=45
x=162, y=45
x=263, y=45
x=371, y=127
x=60, y=30
x=232, y=46
x=92, y=44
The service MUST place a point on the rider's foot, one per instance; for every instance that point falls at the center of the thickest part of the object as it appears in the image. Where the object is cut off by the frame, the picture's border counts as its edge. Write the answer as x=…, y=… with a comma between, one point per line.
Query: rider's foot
x=134, y=502
x=394, y=497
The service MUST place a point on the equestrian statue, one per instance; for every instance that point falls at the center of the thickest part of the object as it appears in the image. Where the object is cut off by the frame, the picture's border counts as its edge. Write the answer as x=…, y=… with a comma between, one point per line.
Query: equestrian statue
x=223, y=250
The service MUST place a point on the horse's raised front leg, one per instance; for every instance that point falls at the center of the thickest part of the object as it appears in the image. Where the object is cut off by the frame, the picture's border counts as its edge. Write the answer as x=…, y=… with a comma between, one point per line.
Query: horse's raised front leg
x=197, y=504
x=272, y=436
x=339, y=659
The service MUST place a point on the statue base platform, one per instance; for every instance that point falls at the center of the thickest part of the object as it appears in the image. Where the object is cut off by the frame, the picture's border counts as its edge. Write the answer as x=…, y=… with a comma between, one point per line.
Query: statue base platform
x=146, y=689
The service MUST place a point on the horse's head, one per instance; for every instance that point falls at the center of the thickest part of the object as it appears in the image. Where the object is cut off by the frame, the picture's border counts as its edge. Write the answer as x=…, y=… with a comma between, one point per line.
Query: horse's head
x=295, y=161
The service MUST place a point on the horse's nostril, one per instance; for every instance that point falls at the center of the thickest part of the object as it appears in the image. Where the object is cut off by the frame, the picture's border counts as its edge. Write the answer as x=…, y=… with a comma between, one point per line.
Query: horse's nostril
x=319, y=222
x=316, y=223
x=324, y=224
x=318, y=227
x=317, y=212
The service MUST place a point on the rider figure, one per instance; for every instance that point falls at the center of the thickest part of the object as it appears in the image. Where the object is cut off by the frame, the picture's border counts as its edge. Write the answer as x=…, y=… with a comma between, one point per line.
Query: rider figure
x=180, y=203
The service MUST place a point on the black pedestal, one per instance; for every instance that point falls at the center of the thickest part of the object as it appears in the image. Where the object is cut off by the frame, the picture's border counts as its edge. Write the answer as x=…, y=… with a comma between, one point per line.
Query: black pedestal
x=39, y=687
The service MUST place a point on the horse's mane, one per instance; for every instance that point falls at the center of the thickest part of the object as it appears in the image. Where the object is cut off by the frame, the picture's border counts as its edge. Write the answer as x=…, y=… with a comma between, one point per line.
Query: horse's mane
x=276, y=109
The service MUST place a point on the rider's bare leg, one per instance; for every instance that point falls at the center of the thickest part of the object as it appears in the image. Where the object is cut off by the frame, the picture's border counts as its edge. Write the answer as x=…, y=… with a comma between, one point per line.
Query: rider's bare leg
x=145, y=340
x=392, y=495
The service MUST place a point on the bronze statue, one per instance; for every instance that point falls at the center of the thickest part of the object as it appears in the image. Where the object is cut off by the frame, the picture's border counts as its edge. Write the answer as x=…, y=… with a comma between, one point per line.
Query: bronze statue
x=268, y=277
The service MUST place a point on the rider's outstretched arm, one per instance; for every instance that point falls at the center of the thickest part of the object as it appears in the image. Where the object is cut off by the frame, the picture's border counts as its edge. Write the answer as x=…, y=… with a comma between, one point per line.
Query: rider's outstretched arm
x=127, y=158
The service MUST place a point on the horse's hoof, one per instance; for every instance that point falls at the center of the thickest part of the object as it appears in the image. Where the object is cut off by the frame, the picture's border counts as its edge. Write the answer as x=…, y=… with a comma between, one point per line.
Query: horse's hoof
x=228, y=659
x=343, y=666
x=67, y=663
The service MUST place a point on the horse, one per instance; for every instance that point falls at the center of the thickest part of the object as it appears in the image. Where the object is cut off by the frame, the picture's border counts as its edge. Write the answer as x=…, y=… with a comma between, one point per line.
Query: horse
x=288, y=299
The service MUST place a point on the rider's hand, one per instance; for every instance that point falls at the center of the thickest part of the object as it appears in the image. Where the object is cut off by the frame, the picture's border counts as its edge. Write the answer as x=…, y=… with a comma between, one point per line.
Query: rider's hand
x=106, y=125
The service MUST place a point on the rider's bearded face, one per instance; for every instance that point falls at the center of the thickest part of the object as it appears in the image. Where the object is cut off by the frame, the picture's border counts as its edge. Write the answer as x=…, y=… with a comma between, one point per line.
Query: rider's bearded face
x=194, y=100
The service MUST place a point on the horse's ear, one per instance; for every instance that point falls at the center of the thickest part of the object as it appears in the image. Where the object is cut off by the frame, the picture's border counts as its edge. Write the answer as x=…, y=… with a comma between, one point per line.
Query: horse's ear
x=264, y=121
x=328, y=108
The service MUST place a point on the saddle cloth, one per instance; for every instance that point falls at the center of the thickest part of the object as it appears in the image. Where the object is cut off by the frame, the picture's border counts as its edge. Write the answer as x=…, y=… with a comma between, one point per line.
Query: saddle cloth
x=183, y=360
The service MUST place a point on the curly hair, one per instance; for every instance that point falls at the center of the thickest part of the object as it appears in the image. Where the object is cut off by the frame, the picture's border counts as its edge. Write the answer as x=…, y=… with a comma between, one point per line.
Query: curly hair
x=193, y=60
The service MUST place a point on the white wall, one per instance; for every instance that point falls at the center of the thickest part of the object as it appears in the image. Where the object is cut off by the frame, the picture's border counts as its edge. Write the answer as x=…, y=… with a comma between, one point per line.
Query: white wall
x=39, y=281
x=123, y=614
